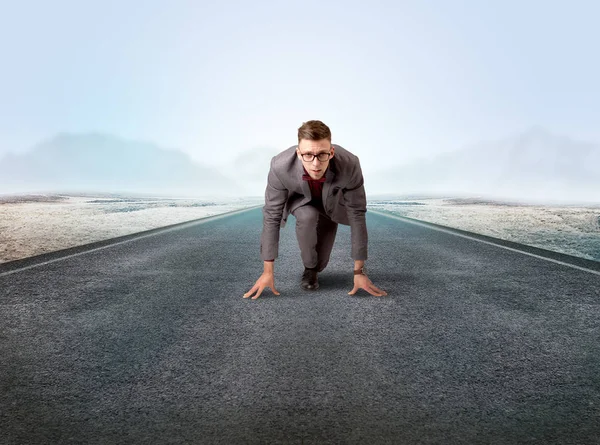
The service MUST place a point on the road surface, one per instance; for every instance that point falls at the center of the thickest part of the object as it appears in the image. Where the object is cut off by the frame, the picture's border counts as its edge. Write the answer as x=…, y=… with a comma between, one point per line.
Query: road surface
x=147, y=339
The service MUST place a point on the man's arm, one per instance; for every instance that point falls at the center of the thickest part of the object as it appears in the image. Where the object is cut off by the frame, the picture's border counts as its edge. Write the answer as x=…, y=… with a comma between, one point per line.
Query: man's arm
x=356, y=204
x=276, y=195
x=355, y=200
x=275, y=198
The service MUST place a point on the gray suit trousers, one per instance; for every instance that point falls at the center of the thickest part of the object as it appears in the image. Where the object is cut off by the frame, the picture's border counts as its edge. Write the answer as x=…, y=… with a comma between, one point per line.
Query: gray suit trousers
x=316, y=233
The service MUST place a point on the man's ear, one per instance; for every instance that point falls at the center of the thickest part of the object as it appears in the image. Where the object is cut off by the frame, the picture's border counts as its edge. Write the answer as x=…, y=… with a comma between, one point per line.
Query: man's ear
x=332, y=152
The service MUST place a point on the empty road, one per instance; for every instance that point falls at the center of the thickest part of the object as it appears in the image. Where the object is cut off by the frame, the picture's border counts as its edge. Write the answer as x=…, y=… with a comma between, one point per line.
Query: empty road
x=148, y=340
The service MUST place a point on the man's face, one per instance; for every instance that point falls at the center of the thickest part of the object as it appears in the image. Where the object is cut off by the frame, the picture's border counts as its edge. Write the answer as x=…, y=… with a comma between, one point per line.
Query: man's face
x=315, y=168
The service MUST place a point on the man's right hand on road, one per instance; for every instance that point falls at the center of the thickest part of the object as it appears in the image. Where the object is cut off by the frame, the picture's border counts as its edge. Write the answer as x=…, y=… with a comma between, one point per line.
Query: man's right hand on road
x=266, y=280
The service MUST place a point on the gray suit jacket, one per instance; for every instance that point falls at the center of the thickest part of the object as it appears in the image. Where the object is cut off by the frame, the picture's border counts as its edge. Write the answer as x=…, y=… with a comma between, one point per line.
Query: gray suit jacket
x=344, y=198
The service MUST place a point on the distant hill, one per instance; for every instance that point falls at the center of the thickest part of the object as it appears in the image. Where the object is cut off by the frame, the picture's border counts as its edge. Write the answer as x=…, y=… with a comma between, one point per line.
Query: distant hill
x=533, y=166
x=97, y=162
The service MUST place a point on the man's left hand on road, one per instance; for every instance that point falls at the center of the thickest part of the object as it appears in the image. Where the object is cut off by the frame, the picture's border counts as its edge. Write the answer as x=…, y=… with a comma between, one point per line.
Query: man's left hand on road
x=363, y=282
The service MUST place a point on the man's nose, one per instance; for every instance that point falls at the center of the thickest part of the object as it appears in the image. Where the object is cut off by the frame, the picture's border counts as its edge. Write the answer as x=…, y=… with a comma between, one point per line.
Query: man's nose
x=315, y=160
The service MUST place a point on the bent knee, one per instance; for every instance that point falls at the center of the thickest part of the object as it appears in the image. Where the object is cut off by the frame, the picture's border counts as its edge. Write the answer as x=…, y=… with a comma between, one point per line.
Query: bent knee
x=307, y=215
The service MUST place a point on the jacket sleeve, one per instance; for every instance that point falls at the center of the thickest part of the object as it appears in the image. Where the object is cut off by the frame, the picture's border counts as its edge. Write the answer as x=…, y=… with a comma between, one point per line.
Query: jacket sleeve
x=276, y=195
x=355, y=200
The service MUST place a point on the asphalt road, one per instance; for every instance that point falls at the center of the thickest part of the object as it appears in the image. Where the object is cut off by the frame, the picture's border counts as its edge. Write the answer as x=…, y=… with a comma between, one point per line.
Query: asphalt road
x=148, y=340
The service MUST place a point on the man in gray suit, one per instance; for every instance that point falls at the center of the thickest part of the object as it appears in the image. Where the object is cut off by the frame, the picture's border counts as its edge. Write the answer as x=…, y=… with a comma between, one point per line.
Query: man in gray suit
x=321, y=184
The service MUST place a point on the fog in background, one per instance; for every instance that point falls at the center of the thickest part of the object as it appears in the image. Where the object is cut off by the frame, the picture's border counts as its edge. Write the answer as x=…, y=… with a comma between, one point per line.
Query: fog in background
x=194, y=98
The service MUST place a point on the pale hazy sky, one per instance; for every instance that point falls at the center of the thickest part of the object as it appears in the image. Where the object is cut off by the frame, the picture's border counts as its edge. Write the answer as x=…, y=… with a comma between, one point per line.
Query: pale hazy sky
x=405, y=79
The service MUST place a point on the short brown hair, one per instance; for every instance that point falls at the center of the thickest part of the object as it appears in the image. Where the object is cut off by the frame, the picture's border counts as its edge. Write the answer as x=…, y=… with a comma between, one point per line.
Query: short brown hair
x=314, y=131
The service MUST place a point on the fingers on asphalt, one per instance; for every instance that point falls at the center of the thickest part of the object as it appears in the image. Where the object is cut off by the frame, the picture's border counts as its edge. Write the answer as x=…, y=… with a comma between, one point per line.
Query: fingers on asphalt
x=373, y=290
x=260, y=289
x=251, y=291
x=382, y=292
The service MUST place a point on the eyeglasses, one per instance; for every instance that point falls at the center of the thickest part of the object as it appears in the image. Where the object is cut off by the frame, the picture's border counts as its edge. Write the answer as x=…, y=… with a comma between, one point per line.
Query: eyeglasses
x=309, y=157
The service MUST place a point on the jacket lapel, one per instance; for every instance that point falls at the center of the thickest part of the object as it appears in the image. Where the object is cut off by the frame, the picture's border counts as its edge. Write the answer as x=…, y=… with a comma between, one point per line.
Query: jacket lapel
x=329, y=175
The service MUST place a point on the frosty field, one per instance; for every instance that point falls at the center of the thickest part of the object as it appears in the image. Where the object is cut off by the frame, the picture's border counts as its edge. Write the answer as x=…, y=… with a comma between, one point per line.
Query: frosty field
x=35, y=224
x=574, y=230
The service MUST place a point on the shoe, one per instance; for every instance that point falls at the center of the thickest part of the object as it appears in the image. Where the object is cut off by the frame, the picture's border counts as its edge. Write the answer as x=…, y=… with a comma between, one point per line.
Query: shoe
x=309, y=279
